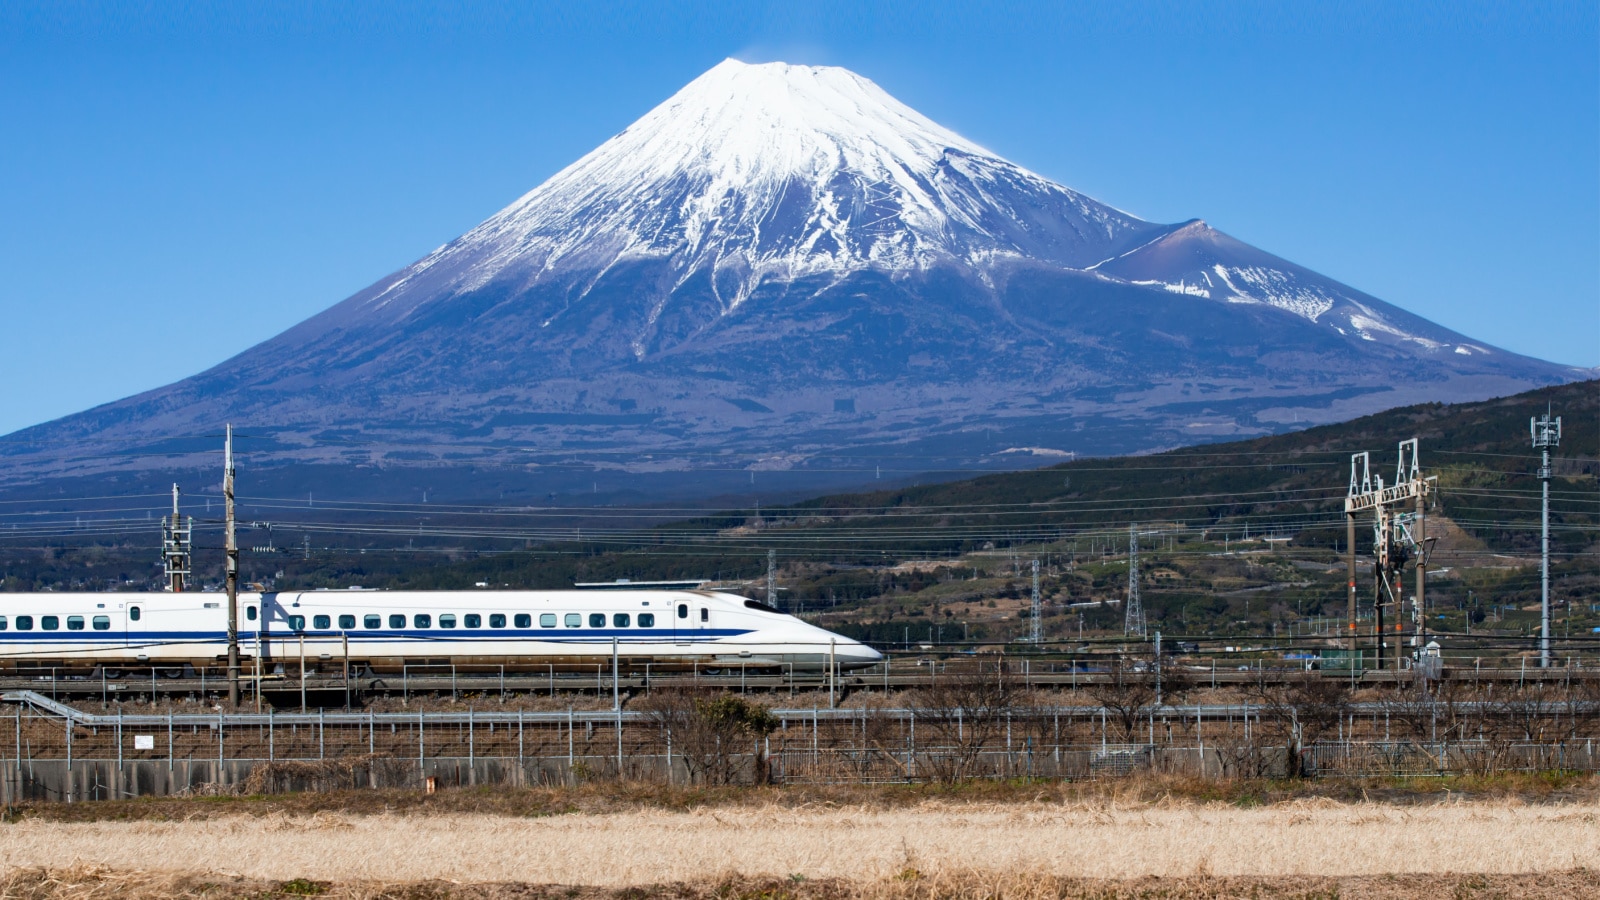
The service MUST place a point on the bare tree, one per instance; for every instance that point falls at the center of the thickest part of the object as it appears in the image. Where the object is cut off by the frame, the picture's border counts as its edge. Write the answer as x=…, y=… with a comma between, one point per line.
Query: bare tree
x=1298, y=711
x=964, y=711
x=1128, y=693
x=710, y=733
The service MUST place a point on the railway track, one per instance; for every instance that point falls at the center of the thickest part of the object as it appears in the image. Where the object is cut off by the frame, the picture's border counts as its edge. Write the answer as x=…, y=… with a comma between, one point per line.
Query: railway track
x=323, y=689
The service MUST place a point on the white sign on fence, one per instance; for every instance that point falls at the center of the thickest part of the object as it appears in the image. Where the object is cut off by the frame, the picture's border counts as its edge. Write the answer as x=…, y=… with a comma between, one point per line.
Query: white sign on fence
x=144, y=742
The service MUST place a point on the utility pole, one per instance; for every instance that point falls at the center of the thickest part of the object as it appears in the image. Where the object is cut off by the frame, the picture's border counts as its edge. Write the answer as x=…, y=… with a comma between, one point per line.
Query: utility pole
x=1419, y=603
x=1546, y=434
x=1038, y=617
x=231, y=547
x=1356, y=487
x=177, y=544
x=1133, y=610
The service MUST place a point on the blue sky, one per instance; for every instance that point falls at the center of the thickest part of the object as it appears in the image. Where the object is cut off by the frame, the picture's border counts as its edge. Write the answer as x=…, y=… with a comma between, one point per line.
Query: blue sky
x=182, y=180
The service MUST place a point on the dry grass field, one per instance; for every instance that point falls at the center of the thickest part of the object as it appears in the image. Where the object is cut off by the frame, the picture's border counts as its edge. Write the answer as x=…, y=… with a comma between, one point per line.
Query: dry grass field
x=92, y=883
x=1309, y=848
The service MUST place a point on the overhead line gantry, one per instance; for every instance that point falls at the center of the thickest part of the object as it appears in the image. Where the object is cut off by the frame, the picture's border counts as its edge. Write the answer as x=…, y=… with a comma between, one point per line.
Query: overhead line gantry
x=1398, y=537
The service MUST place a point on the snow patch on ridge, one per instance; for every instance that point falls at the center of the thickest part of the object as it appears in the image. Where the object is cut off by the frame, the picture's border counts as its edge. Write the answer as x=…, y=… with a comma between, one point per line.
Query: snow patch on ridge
x=1275, y=288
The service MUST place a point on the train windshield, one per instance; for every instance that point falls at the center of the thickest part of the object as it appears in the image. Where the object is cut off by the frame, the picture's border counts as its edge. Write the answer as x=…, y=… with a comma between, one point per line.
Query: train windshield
x=760, y=607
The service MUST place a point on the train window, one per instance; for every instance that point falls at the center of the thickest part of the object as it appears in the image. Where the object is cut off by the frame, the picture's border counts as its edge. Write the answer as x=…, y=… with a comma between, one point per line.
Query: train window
x=620, y=620
x=705, y=614
x=524, y=620
x=2, y=623
x=321, y=623
x=24, y=623
x=647, y=620
x=372, y=620
x=101, y=623
x=133, y=613
x=50, y=623
x=396, y=620
x=473, y=620
x=347, y=621
x=74, y=623
x=447, y=621
x=573, y=620
x=547, y=620
x=597, y=620
x=683, y=610
x=497, y=620
x=422, y=620
x=297, y=623
x=250, y=613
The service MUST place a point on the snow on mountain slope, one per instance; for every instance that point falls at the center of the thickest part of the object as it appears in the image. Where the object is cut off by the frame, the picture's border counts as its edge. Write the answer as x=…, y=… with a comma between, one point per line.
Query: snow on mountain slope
x=1197, y=260
x=774, y=171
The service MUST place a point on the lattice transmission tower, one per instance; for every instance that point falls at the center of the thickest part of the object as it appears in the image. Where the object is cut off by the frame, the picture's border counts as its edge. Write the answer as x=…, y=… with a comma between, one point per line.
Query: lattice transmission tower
x=772, y=578
x=1037, y=631
x=1133, y=610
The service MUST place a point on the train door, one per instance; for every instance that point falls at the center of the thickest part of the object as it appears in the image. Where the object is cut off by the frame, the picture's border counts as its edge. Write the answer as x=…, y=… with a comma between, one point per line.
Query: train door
x=131, y=624
x=683, y=622
x=250, y=628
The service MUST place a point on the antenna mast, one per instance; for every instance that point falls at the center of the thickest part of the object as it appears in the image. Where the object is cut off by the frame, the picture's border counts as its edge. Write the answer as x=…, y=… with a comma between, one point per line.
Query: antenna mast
x=1546, y=434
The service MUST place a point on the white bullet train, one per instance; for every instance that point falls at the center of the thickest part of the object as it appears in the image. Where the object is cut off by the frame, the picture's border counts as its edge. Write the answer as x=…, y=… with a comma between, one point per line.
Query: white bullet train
x=381, y=631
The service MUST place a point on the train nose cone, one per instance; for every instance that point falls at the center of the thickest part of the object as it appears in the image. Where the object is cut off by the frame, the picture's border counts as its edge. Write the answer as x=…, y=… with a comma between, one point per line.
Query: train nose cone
x=857, y=656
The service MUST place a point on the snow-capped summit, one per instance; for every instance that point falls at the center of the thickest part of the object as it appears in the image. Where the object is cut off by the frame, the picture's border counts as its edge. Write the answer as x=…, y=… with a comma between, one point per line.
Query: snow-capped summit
x=778, y=265
x=780, y=171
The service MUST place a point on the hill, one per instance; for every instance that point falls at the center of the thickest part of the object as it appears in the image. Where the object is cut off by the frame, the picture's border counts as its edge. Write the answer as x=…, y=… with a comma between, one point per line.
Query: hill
x=1235, y=538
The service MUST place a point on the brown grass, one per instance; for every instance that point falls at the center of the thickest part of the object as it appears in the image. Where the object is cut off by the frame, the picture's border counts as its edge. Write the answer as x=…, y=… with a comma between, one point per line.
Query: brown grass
x=932, y=841
x=98, y=883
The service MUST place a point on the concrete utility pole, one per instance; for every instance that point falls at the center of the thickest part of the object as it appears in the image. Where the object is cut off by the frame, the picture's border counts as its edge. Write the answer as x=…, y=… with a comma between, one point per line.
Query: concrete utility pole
x=231, y=548
x=1419, y=604
x=1350, y=568
x=1546, y=434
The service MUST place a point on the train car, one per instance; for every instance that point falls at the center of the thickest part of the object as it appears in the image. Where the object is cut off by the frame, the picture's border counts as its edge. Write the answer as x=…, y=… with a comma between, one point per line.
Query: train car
x=382, y=631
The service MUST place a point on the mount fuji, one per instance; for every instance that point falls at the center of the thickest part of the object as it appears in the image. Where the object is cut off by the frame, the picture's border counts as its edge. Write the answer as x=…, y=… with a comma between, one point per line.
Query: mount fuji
x=779, y=268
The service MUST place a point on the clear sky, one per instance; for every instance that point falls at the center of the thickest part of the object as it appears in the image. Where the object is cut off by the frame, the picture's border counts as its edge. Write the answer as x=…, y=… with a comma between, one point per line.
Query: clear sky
x=180, y=180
